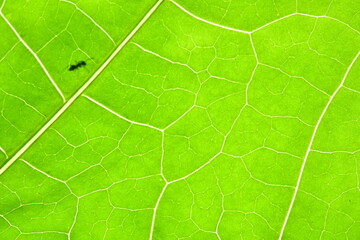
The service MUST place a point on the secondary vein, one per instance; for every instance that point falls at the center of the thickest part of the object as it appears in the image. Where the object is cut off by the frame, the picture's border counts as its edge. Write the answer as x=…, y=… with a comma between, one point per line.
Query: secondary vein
x=34, y=55
x=311, y=143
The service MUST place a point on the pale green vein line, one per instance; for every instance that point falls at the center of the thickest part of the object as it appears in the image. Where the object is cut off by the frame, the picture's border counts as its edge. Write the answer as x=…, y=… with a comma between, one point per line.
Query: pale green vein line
x=206, y=21
x=34, y=55
x=91, y=19
x=118, y=115
x=352, y=90
x=311, y=143
x=274, y=21
x=332, y=18
x=2, y=5
x=8, y=52
x=306, y=15
x=75, y=218
x=334, y=152
x=163, y=58
x=155, y=210
x=196, y=170
x=25, y=103
x=253, y=213
x=44, y=173
x=82, y=88
x=3, y=151
x=298, y=77
x=263, y=26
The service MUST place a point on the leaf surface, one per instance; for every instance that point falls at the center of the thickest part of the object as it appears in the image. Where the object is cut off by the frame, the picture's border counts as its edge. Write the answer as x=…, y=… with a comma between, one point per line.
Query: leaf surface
x=191, y=119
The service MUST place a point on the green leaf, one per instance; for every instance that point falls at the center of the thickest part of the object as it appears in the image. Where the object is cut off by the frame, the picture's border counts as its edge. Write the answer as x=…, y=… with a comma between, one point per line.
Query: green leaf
x=190, y=119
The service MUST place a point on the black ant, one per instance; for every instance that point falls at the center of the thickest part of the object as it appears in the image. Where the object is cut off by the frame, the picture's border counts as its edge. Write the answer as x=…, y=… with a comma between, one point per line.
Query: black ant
x=77, y=65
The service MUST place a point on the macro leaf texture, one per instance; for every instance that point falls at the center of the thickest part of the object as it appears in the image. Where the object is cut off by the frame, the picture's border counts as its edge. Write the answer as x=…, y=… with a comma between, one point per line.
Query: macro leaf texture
x=180, y=119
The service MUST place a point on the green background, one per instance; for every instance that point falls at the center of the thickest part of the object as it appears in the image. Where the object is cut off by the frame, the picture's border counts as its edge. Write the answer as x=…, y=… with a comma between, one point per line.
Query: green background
x=216, y=120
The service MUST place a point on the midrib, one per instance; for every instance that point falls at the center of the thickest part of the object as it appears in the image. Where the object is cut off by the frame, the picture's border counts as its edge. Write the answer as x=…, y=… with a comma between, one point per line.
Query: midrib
x=81, y=89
